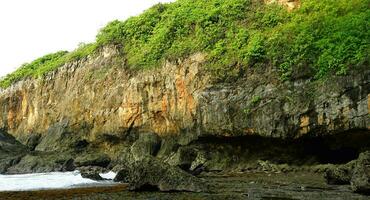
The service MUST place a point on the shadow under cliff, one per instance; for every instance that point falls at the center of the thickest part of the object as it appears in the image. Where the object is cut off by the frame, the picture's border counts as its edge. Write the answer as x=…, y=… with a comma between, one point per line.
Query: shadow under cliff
x=220, y=153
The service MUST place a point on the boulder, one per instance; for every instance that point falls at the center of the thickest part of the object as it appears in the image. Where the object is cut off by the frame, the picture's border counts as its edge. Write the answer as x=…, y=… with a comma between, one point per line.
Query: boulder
x=11, y=151
x=189, y=159
x=40, y=162
x=6, y=163
x=360, y=181
x=339, y=175
x=93, y=159
x=122, y=175
x=150, y=173
x=92, y=173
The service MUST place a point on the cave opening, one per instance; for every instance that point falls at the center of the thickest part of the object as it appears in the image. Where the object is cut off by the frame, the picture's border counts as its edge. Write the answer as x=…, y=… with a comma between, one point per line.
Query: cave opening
x=338, y=148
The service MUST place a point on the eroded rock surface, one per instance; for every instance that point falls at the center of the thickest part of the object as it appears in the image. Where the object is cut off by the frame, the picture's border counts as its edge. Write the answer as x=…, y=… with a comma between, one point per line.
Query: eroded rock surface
x=360, y=181
x=99, y=97
x=356, y=173
x=11, y=151
x=93, y=159
x=43, y=162
x=92, y=173
x=149, y=173
x=340, y=175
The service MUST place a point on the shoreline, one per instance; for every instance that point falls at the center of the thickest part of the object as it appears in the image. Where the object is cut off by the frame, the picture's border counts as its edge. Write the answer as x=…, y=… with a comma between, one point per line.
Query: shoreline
x=66, y=193
x=233, y=185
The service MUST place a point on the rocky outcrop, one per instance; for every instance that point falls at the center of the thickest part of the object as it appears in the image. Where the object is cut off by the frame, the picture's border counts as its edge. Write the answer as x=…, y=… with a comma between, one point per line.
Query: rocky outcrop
x=360, y=181
x=93, y=159
x=92, y=173
x=177, y=112
x=148, y=144
x=39, y=162
x=340, y=175
x=356, y=173
x=99, y=97
x=11, y=151
x=149, y=173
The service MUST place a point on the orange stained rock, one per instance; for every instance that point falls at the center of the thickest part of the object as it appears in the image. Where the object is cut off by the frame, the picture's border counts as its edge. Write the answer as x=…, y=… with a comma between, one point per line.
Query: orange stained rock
x=249, y=131
x=304, y=124
x=164, y=103
x=181, y=88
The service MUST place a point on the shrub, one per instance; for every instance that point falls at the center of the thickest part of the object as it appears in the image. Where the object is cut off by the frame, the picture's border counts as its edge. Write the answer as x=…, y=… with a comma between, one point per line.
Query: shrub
x=36, y=68
x=329, y=37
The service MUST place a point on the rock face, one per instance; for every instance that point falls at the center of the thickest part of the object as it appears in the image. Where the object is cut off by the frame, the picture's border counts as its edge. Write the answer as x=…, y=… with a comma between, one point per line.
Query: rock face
x=148, y=144
x=11, y=151
x=37, y=162
x=98, y=106
x=99, y=97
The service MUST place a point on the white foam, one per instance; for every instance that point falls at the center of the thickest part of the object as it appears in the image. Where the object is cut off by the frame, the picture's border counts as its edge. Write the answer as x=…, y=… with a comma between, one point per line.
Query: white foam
x=54, y=180
x=109, y=175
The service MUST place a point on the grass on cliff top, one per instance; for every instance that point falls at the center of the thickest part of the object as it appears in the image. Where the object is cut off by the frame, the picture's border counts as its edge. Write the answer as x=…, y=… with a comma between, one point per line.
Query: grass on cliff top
x=325, y=37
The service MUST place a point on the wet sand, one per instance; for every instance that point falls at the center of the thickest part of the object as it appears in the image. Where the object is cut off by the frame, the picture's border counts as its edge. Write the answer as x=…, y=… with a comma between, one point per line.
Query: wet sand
x=72, y=193
x=246, y=185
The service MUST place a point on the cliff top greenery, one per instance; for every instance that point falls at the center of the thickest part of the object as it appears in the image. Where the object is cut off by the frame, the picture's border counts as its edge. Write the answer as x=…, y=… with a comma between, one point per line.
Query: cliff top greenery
x=325, y=36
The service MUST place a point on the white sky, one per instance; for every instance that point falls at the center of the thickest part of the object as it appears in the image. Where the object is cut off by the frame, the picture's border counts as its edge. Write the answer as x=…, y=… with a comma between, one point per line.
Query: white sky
x=32, y=28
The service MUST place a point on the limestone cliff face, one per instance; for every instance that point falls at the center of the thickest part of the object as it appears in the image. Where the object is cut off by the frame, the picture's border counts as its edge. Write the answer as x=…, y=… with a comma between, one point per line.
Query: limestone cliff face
x=101, y=96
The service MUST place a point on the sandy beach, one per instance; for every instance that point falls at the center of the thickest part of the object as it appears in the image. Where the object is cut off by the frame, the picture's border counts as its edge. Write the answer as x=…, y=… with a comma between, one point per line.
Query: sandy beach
x=73, y=193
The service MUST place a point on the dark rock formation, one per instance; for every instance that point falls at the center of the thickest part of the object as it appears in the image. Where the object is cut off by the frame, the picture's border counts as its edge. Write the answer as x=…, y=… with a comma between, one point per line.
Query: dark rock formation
x=123, y=175
x=93, y=159
x=189, y=158
x=32, y=141
x=11, y=151
x=38, y=162
x=149, y=173
x=360, y=181
x=92, y=173
x=339, y=175
x=356, y=173
x=148, y=144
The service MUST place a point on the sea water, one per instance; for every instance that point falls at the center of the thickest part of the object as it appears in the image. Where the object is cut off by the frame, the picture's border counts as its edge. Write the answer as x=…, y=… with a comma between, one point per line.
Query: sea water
x=53, y=180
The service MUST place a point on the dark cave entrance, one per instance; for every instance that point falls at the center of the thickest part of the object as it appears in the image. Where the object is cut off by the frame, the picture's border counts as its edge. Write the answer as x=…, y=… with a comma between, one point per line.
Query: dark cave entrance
x=338, y=148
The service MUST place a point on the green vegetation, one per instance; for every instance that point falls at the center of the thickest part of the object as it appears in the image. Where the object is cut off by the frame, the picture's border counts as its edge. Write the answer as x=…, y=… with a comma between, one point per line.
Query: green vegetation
x=37, y=67
x=253, y=103
x=326, y=36
x=47, y=63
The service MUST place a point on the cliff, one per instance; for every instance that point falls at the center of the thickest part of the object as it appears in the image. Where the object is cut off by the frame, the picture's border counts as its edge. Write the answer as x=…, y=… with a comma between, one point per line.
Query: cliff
x=101, y=104
x=100, y=95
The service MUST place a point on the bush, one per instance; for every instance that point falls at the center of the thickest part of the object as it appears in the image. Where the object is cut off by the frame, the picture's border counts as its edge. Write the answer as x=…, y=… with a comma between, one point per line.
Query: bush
x=329, y=37
x=36, y=68
x=47, y=63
